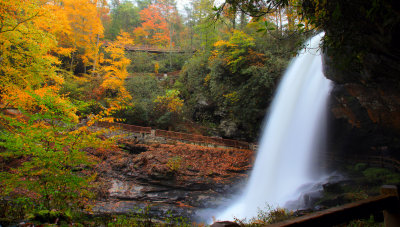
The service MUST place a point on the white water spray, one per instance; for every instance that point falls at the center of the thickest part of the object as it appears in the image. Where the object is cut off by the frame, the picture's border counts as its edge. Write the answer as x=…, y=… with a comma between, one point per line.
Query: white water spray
x=290, y=139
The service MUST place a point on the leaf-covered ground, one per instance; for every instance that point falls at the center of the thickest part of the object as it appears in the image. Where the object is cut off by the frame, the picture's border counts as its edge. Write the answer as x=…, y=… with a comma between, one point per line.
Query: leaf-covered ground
x=177, y=177
x=183, y=162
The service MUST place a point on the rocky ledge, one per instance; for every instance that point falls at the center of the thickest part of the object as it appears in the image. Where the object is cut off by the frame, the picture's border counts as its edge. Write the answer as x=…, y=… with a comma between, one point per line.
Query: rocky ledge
x=167, y=179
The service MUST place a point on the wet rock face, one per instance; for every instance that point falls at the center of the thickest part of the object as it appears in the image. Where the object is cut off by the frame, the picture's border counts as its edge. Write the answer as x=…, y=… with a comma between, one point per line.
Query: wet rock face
x=365, y=119
x=365, y=67
x=366, y=104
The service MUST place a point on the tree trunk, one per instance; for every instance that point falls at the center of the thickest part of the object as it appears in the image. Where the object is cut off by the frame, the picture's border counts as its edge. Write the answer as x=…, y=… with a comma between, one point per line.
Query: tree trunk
x=96, y=56
x=72, y=62
x=243, y=21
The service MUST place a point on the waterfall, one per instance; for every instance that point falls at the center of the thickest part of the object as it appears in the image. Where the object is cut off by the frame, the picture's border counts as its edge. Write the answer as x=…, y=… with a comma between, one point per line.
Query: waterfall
x=290, y=139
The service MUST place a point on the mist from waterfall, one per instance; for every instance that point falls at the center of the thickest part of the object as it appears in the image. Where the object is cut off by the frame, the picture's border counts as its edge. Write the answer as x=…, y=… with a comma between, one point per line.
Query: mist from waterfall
x=291, y=137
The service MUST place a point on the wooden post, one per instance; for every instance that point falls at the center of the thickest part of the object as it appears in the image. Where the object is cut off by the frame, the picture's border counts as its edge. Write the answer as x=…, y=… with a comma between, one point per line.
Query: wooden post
x=392, y=213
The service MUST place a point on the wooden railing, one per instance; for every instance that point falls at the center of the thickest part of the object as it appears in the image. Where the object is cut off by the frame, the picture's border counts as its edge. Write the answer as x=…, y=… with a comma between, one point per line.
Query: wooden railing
x=388, y=202
x=202, y=139
x=178, y=135
x=126, y=127
x=154, y=49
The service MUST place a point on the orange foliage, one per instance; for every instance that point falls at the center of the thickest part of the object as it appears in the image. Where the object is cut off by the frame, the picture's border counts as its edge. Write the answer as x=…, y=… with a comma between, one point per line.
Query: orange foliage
x=197, y=163
x=114, y=71
x=77, y=26
x=154, y=29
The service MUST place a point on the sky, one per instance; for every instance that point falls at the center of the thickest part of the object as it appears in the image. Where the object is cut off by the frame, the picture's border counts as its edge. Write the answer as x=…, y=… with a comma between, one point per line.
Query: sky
x=181, y=4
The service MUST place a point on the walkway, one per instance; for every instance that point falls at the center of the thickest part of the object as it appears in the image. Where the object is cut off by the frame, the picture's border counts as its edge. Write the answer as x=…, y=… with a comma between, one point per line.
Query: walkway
x=179, y=135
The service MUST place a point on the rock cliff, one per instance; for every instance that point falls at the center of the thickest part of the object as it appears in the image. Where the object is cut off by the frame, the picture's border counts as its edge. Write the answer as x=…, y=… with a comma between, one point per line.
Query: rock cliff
x=362, y=57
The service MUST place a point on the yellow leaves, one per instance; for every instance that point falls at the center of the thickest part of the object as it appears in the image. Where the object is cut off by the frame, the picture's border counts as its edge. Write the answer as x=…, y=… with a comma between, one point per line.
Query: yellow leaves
x=116, y=50
x=234, y=52
x=156, y=67
x=170, y=102
x=112, y=83
x=77, y=26
x=124, y=39
x=232, y=97
x=114, y=75
x=207, y=79
x=223, y=43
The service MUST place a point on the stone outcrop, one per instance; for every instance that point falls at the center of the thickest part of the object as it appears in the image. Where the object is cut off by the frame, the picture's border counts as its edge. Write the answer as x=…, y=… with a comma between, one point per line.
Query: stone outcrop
x=178, y=179
x=367, y=119
x=364, y=64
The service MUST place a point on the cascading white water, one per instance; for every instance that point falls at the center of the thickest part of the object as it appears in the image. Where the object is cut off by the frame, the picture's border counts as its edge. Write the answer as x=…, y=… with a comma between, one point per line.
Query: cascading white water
x=290, y=139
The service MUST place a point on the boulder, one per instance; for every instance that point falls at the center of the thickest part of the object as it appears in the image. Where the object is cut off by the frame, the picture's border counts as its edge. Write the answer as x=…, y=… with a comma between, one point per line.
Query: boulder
x=131, y=146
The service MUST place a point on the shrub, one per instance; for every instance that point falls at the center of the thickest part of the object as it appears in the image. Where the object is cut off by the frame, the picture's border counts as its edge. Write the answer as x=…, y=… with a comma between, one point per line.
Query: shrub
x=376, y=175
x=268, y=216
x=360, y=166
x=174, y=163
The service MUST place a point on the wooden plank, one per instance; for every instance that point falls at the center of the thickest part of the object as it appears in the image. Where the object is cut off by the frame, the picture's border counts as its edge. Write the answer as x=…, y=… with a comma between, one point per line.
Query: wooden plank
x=345, y=213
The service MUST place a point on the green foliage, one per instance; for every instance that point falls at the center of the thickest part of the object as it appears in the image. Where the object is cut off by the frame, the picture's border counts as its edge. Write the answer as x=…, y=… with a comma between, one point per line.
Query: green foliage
x=168, y=108
x=125, y=16
x=204, y=31
x=360, y=166
x=381, y=176
x=352, y=31
x=140, y=217
x=173, y=62
x=143, y=89
x=13, y=210
x=48, y=146
x=235, y=82
x=365, y=223
x=50, y=216
x=234, y=51
x=141, y=62
x=268, y=215
x=153, y=105
x=144, y=62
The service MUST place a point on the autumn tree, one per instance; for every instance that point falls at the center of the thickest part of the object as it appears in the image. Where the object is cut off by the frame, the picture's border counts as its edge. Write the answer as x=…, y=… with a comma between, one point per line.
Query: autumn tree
x=168, y=108
x=38, y=128
x=114, y=74
x=26, y=62
x=154, y=29
x=83, y=29
x=124, y=16
x=205, y=27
